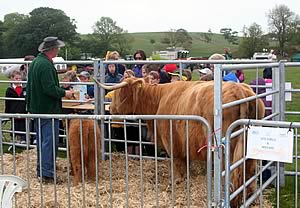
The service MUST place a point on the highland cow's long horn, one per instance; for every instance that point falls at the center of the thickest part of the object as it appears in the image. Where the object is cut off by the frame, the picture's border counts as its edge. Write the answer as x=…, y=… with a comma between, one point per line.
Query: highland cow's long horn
x=113, y=87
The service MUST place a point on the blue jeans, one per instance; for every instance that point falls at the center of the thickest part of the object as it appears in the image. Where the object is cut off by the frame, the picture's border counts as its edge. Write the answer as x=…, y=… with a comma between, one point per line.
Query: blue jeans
x=48, y=152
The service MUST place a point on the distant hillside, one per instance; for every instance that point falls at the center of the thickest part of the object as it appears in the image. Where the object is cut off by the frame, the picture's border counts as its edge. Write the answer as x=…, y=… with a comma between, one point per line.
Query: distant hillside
x=199, y=48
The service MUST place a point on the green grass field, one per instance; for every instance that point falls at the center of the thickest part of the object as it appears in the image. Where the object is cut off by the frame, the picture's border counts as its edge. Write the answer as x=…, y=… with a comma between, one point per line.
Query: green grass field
x=3, y=87
x=292, y=75
x=199, y=48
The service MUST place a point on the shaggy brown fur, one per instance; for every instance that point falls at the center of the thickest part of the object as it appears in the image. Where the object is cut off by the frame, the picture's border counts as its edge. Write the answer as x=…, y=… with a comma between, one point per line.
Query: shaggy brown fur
x=89, y=153
x=188, y=98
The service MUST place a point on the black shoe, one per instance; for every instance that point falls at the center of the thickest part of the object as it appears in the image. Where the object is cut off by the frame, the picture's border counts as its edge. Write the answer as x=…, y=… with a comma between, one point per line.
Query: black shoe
x=49, y=180
x=46, y=179
x=61, y=144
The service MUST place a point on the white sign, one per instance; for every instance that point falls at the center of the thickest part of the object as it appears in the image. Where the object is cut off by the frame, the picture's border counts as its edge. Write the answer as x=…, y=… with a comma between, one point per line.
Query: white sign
x=269, y=89
x=82, y=91
x=288, y=95
x=266, y=143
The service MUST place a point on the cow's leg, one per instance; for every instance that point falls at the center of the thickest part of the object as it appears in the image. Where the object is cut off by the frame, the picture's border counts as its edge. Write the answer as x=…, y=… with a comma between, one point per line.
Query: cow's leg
x=236, y=177
x=76, y=155
x=179, y=169
x=70, y=158
x=76, y=165
x=91, y=163
x=238, y=174
x=91, y=160
x=69, y=151
x=251, y=166
x=74, y=143
x=150, y=127
x=237, y=180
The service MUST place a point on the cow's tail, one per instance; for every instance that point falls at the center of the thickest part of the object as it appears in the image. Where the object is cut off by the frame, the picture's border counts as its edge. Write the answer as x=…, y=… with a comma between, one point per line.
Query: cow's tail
x=244, y=110
x=85, y=140
x=261, y=109
x=244, y=107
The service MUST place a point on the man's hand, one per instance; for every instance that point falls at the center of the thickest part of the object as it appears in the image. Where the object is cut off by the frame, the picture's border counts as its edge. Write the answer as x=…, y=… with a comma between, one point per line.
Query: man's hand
x=90, y=100
x=69, y=94
x=86, y=96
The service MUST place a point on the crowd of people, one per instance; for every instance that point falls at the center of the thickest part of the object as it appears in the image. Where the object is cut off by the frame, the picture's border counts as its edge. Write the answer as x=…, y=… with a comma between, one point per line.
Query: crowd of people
x=44, y=94
x=167, y=72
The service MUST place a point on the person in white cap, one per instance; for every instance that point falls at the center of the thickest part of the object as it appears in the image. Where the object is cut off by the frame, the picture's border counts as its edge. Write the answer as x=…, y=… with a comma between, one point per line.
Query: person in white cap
x=44, y=97
x=84, y=76
x=206, y=74
x=205, y=71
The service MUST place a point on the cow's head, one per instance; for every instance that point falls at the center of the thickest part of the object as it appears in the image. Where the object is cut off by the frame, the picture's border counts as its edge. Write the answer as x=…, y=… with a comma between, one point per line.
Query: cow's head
x=126, y=95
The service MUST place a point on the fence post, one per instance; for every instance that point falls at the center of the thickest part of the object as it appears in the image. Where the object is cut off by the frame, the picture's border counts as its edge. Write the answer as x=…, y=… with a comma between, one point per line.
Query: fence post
x=282, y=113
x=218, y=134
x=278, y=104
x=97, y=88
x=99, y=72
x=282, y=89
x=1, y=148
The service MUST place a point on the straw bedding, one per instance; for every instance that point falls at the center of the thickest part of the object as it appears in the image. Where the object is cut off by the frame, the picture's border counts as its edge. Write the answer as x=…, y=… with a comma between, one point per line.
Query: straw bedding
x=141, y=190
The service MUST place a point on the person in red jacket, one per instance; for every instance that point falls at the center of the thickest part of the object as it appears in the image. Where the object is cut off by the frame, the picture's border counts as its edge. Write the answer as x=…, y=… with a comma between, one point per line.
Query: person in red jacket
x=15, y=90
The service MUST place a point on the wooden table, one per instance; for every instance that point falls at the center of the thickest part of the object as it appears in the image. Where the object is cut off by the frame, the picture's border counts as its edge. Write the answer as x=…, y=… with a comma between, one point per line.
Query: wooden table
x=85, y=106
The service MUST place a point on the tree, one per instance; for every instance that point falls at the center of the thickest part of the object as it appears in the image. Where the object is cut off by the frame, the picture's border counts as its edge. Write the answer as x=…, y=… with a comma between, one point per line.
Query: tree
x=177, y=38
x=1, y=40
x=152, y=41
x=294, y=37
x=183, y=38
x=27, y=32
x=252, y=41
x=282, y=21
x=11, y=24
x=123, y=43
x=206, y=37
x=110, y=35
x=169, y=38
x=71, y=51
x=90, y=44
x=229, y=35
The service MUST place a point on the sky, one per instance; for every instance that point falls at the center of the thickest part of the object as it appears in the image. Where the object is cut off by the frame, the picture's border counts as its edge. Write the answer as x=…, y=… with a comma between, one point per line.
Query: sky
x=158, y=15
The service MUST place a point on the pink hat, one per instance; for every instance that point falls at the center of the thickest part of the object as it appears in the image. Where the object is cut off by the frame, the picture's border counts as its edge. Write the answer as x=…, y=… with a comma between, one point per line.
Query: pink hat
x=170, y=67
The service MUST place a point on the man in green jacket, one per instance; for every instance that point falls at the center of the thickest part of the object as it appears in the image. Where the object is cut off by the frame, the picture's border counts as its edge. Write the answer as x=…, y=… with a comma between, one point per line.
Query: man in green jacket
x=44, y=97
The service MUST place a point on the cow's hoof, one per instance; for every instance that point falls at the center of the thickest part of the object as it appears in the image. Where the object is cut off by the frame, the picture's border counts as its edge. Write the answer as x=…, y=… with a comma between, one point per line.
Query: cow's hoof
x=178, y=181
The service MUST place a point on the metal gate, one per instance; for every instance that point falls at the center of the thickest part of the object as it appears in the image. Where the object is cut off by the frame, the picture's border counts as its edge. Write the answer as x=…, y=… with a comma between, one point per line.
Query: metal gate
x=122, y=179
x=215, y=199
x=278, y=116
x=274, y=166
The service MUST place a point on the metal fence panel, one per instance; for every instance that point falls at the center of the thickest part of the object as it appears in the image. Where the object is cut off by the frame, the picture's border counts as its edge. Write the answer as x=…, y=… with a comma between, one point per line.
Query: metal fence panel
x=262, y=185
x=122, y=179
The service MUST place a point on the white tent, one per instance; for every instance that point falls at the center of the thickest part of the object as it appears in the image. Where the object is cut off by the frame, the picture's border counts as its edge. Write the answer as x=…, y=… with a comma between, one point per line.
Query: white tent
x=59, y=66
x=6, y=68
